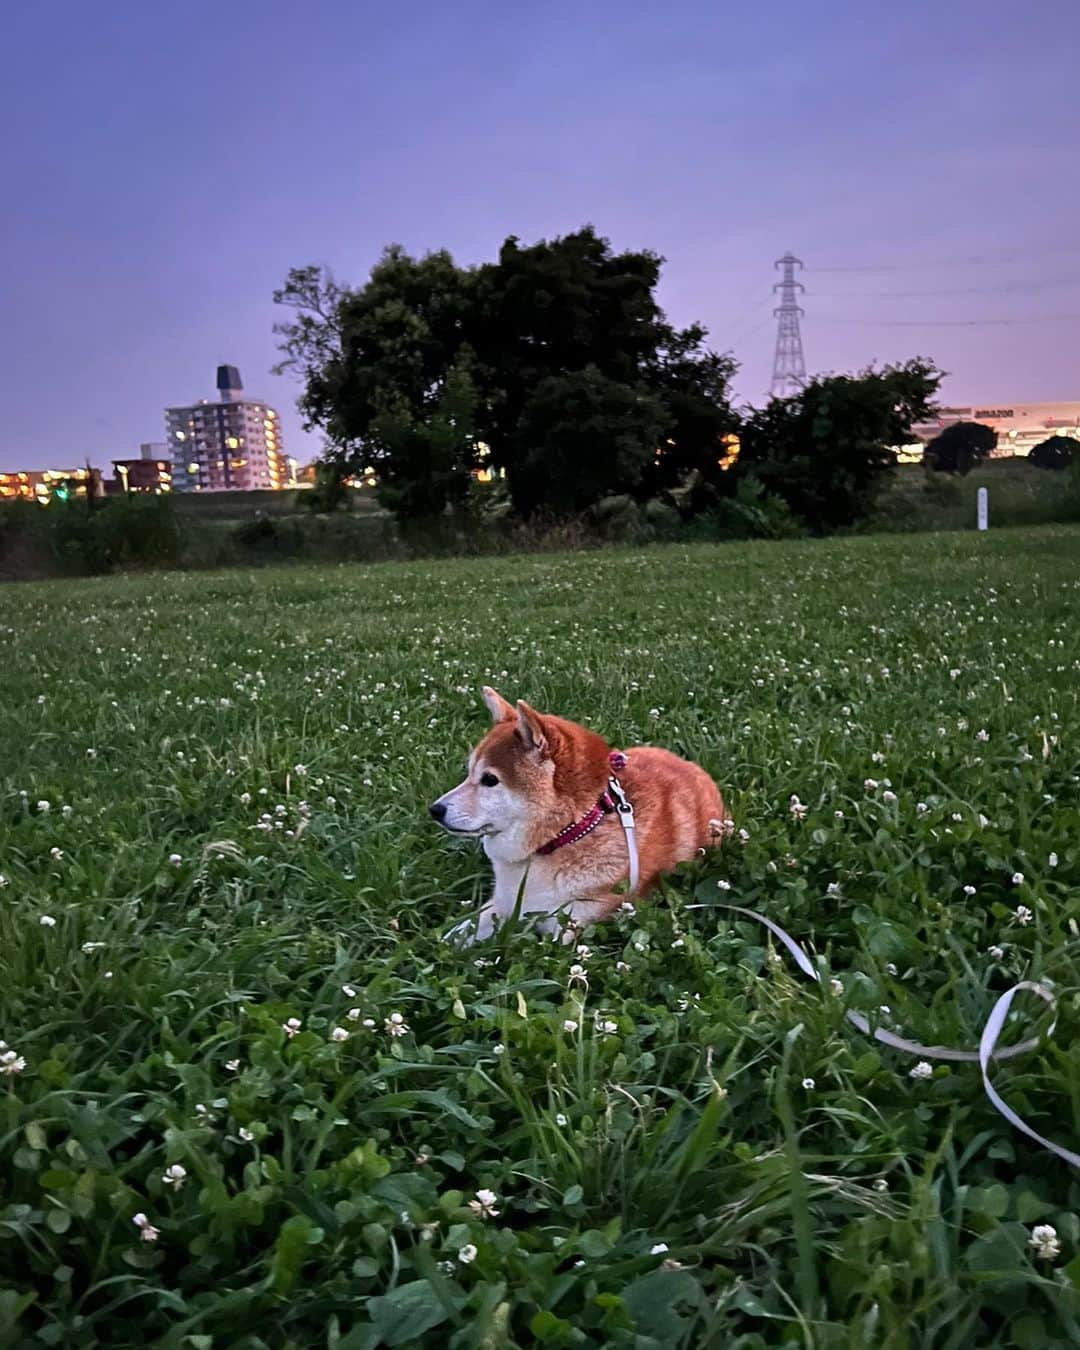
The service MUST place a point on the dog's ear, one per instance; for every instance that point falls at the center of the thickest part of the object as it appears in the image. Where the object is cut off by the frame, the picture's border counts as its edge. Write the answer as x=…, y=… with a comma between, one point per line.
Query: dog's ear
x=530, y=728
x=497, y=706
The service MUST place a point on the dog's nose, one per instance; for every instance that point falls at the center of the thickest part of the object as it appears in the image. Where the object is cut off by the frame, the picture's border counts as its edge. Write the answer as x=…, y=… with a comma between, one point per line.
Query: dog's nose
x=438, y=811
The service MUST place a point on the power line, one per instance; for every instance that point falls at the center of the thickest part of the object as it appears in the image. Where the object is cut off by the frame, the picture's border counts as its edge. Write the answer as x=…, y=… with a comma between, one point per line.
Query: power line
x=1018, y=288
x=971, y=260
x=955, y=323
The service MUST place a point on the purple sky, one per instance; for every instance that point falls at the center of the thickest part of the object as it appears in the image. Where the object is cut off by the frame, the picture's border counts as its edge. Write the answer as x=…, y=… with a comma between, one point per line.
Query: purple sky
x=165, y=164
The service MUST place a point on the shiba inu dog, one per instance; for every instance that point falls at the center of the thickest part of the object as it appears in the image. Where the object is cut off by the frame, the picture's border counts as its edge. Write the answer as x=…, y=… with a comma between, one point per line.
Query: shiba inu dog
x=549, y=798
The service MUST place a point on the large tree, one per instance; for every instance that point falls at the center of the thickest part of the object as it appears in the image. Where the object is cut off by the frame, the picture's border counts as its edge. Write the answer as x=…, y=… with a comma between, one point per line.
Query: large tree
x=376, y=364
x=827, y=450
x=959, y=447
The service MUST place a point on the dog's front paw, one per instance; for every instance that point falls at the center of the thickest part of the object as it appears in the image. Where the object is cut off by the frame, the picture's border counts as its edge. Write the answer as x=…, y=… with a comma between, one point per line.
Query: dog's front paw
x=477, y=928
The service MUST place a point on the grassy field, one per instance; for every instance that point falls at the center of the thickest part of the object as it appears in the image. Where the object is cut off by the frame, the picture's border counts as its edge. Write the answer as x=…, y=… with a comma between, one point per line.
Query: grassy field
x=221, y=892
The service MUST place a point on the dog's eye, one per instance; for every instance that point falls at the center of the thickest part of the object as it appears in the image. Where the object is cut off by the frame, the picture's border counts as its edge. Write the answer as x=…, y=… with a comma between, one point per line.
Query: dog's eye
x=488, y=780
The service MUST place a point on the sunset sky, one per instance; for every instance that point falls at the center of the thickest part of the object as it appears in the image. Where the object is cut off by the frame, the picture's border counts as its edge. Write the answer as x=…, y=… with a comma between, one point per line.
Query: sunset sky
x=164, y=165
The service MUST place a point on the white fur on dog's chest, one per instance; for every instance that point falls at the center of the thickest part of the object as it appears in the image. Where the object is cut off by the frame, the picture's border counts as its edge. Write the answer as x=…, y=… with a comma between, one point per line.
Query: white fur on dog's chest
x=556, y=885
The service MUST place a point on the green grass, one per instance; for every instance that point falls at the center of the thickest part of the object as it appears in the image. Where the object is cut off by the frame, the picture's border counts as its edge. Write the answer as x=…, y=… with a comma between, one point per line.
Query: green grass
x=733, y=1165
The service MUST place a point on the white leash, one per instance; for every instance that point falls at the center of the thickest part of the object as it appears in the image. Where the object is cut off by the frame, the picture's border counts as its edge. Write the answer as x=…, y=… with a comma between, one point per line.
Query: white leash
x=988, y=1041
x=626, y=820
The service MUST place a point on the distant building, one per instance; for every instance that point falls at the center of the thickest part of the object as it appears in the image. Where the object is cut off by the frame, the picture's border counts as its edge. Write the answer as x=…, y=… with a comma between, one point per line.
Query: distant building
x=143, y=474
x=233, y=444
x=1020, y=426
x=45, y=485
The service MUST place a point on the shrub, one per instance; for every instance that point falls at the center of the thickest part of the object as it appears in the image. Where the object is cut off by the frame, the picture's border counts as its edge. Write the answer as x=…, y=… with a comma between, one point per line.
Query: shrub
x=1056, y=452
x=960, y=447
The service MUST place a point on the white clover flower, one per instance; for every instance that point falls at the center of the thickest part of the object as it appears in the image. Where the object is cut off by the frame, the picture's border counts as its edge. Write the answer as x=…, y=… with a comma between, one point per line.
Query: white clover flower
x=570, y=1026
x=175, y=1176
x=723, y=885
x=147, y=1231
x=809, y=1084
x=654, y=713
x=368, y=1023
x=744, y=836
x=890, y=968
x=396, y=1025
x=888, y=797
x=836, y=986
x=833, y=888
x=982, y=735
x=56, y=853
x=232, y=1065
x=870, y=784
x=881, y=1185
x=47, y=921
x=339, y=1034
x=245, y=1134
x=43, y=807
x=65, y=811
x=348, y=991
x=484, y=1205
x=1052, y=861
x=467, y=1254
x=1018, y=878
x=560, y=1120
x=622, y=966
x=11, y=1063
x=3, y=881
x=969, y=890
x=291, y=1027
x=353, y=1014
x=922, y=1070
x=921, y=808
x=796, y=807
x=607, y=1028
x=245, y=799
x=499, y=1049
x=175, y=859
x=578, y=973
x=300, y=770
x=1023, y=915
x=996, y=952
x=1045, y=1242
x=838, y=815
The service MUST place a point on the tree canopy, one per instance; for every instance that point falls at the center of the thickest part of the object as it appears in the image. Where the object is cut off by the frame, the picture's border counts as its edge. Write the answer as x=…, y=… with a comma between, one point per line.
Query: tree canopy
x=959, y=447
x=1056, y=452
x=827, y=451
x=569, y=363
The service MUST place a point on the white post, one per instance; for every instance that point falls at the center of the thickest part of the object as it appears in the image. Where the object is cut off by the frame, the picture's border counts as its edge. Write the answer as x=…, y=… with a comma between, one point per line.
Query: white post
x=982, y=498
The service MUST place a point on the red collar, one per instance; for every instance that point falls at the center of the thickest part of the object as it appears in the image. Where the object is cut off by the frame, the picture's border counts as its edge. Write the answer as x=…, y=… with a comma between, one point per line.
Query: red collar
x=578, y=829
